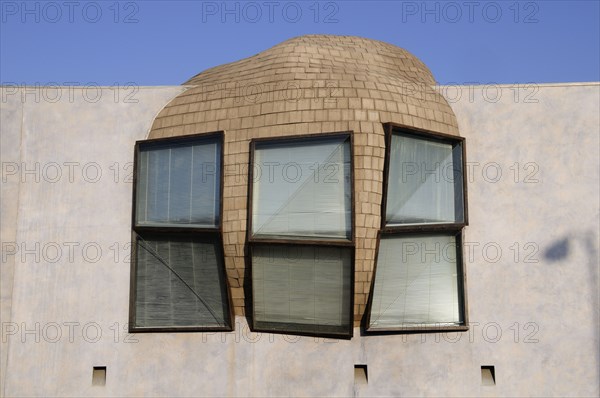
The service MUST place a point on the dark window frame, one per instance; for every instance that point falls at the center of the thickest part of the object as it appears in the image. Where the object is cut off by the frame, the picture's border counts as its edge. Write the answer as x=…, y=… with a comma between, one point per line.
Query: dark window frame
x=208, y=234
x=253, y=241
x=456, y=229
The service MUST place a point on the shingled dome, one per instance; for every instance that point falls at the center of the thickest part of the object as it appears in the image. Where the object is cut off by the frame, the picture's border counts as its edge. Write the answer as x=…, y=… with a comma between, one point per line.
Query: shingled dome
x=309, y=85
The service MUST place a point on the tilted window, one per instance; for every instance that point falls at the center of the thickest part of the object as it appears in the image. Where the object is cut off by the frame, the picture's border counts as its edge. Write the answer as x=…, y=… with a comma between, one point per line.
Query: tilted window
x=301, y=236
x=419, y=278
x=178, y=279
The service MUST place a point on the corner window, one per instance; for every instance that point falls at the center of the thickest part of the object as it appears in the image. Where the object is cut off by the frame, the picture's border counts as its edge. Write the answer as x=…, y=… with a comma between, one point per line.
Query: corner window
x=301, y=236
x=418, y=282
x=178, y=279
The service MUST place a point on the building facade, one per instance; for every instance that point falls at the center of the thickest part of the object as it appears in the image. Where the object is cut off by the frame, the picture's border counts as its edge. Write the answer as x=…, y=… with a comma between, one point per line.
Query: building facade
x=320, y=219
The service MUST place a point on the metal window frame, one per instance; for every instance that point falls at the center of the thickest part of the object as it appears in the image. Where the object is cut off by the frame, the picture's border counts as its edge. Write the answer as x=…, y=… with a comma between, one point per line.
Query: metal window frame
x=456, y=229
x=253, y=241
x=214, y=234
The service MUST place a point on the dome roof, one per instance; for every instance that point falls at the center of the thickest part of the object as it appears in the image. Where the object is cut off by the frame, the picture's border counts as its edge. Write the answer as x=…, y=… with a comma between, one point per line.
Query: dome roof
x=323, y=54
x=327, y=72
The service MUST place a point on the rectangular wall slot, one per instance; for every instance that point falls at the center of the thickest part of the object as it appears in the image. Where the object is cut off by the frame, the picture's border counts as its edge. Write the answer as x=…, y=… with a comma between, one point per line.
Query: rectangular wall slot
x=488, y=375
x=99, y=376
x=361, y=375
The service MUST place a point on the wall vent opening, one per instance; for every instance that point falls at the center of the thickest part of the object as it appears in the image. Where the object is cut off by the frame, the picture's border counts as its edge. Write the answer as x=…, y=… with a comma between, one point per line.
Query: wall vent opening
x=361, y=375
x=99, y=376
x=488, y=375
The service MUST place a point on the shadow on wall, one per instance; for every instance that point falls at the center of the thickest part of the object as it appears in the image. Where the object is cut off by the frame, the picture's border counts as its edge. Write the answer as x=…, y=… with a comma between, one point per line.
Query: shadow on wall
x=558, y=251
x=561, y=249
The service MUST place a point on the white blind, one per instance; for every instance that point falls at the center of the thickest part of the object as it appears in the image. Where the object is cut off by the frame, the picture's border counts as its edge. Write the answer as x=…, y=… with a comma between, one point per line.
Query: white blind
x=179, y=283
x=425, y=182
x=416, y=282
x=179, y=185
x=302, y=288
x=302, y=189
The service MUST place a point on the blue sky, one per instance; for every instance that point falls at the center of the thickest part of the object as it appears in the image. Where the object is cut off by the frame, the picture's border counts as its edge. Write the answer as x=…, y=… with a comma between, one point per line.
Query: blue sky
x=166, y=42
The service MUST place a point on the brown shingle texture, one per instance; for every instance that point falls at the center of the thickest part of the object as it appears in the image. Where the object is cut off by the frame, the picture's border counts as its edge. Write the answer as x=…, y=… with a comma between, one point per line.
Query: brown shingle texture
x=309, y=84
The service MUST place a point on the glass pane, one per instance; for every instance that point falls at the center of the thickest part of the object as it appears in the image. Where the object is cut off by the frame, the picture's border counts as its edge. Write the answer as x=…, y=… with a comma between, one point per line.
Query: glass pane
x=425, y=182
x=178, y=184
x=302, y=289
x=416, y=283
x=180, y=282
x=302, y=189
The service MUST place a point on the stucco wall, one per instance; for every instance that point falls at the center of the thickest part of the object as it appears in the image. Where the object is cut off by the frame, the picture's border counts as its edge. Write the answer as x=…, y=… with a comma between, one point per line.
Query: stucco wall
x=68, y=279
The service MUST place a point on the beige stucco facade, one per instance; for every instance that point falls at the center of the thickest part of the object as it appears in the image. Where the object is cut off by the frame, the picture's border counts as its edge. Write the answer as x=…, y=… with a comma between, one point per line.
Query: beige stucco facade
x=531, y=247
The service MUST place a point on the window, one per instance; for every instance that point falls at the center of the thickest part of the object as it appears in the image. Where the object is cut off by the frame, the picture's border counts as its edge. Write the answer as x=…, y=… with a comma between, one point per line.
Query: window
x=418, y=282
x=300, y=230
x=178, y=279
